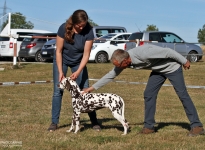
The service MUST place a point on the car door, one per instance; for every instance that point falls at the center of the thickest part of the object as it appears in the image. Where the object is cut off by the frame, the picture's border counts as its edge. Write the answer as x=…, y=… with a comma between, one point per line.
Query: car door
x=115, y=44
x=174, y=42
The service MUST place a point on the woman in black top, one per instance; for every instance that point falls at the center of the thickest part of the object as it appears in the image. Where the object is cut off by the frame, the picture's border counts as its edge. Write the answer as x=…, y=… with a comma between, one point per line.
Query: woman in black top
x=73, y=45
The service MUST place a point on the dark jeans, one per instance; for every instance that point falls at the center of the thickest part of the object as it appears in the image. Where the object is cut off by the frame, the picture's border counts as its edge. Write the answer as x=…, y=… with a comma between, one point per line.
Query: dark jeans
x=82, y=81
x=154, y=84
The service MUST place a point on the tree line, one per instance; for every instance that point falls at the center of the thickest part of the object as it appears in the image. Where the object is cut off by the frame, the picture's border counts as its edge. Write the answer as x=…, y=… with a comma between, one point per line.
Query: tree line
x=18, y=21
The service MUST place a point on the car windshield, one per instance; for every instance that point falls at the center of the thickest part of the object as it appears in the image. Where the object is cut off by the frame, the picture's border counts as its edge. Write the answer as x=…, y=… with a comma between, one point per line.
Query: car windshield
x=52, y=41
x=103, y=38
x=135, y=36
x=28, y=39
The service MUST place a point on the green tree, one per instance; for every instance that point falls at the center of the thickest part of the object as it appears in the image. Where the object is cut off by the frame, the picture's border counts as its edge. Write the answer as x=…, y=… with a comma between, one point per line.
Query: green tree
x=201, y=35
x=152, y=28
x=91, y=22
x=18, y=21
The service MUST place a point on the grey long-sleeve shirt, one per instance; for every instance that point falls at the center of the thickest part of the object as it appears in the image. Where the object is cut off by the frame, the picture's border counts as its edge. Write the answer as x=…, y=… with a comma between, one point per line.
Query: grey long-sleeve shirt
x=151, y=57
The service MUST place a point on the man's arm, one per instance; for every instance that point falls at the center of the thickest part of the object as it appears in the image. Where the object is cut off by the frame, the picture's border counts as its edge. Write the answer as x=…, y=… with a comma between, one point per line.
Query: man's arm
x=169, y=53
x=154, y=52
x=105, y=79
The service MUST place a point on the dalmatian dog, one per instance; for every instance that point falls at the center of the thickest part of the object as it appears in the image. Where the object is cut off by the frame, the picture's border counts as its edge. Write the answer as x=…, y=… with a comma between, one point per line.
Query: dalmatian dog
x=87, y=102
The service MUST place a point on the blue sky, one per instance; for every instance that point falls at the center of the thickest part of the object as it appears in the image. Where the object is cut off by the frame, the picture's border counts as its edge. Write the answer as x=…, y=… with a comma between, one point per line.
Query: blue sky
x=183, y=17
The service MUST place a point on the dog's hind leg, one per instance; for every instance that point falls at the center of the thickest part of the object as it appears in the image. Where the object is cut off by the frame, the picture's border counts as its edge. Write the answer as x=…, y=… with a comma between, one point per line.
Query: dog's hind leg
x=122, y=120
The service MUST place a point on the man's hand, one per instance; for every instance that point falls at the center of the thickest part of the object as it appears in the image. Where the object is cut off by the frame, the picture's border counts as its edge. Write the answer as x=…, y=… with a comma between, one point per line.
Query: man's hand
x=87, y=90
x=187, y=65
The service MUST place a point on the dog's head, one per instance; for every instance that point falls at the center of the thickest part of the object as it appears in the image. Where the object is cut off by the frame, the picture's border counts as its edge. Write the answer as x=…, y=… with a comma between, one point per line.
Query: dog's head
x=64, y=84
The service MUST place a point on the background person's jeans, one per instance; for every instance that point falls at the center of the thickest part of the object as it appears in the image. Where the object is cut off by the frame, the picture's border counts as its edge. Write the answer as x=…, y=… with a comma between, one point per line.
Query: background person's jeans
x=82, y=81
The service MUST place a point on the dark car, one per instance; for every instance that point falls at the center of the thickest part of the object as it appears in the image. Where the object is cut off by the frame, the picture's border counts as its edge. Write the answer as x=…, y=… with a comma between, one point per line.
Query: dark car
x=48, y=49
x=31, y=47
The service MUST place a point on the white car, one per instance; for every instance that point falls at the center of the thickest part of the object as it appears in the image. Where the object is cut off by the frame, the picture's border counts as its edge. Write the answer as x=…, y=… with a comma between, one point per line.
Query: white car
x=7, y=41
x=104, y=46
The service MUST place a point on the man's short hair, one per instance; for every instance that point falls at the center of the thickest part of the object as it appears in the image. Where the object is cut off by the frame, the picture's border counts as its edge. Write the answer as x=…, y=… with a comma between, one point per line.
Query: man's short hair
x=119, y=55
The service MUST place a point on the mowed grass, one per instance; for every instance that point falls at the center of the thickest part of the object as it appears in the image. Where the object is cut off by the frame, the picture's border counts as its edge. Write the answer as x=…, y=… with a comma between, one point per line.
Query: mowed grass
x=25, y=112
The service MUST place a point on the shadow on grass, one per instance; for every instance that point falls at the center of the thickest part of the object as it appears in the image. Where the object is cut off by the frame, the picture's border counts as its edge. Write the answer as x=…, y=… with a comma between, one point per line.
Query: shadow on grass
x=87, y=124
x=161, y=125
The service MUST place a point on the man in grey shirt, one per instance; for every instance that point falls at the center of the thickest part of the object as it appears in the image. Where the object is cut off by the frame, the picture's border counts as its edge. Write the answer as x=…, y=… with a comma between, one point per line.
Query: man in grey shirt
x=164, y=63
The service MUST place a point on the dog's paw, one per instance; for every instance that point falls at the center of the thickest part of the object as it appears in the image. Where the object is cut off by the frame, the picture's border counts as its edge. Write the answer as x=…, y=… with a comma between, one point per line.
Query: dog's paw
x=68, y=130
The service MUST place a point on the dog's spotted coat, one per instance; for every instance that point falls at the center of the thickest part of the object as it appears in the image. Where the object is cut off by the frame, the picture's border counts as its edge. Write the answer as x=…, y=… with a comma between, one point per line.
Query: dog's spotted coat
x=87, y=102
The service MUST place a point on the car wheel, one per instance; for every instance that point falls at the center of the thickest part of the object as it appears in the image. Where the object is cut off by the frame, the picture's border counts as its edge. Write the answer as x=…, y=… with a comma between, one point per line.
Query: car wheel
x=22, y=59
x=101, y=57
x=192, y=57
x=39, y=58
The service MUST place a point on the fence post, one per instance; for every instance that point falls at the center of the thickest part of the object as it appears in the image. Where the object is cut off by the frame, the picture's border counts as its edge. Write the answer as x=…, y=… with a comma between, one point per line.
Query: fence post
x=15, y=51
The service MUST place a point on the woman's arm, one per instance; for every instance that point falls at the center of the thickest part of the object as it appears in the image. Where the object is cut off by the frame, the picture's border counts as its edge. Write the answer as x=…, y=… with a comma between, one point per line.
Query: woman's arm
x=86, y=55
x=59, y=48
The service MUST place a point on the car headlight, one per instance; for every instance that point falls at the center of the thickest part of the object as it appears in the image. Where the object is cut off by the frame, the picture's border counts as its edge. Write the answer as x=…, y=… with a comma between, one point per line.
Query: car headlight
x=93, y=47
x=53, y=46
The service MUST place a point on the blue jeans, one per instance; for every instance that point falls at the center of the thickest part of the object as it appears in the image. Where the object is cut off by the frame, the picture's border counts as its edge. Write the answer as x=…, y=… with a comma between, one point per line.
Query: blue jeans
x=82, y=81
x=154, y=84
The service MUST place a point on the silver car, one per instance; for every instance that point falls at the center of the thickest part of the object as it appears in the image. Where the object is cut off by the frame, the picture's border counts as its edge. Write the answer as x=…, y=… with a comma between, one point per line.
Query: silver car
x=191, y=51
x=31, y=47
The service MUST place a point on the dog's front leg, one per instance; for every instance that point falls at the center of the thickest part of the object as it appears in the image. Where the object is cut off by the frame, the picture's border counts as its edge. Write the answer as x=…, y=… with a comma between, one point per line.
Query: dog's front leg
x=77, y=121
x=72, y=125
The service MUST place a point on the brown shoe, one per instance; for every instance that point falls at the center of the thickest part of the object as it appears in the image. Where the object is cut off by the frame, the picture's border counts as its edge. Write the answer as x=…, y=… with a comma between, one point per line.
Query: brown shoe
x=53, y=127
x=196, y=131
x=146, y=131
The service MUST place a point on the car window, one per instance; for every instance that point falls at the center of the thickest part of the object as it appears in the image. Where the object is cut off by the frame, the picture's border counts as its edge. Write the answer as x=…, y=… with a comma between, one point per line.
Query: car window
x=155, y=37
x=42, y=40
x=4, y=38
x=28, y=39
x=20, y=39
x=126, y=36
x=102, y=39
x=117, y=31
x=108, y=36
x=121, y=37
x=135, y=36
x=171, y=38
x=101, y=32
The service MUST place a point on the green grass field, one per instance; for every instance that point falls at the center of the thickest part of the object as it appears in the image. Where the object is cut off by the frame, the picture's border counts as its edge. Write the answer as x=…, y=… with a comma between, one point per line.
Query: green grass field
x=25, y=112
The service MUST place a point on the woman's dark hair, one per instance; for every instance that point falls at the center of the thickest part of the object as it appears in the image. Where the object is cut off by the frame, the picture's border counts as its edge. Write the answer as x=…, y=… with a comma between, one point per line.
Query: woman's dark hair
x=78, y=16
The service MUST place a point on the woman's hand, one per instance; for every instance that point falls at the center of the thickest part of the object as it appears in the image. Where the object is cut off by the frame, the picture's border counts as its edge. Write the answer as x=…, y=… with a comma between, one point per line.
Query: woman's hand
x=74, y=75
x=61, y=77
